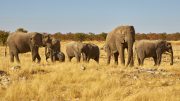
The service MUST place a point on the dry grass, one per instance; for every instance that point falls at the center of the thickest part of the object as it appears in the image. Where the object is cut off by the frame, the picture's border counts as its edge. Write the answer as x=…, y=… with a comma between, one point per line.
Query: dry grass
x=98, y=82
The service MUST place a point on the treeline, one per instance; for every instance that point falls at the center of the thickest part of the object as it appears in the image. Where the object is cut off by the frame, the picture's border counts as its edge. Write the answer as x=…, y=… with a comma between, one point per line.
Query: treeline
x=97, y=37
x=102, y=36
x=156, y=36
x=80, y=36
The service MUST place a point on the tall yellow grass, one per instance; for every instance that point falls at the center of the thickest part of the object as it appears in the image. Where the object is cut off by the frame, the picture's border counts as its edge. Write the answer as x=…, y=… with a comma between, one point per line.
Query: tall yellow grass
x=98, y=82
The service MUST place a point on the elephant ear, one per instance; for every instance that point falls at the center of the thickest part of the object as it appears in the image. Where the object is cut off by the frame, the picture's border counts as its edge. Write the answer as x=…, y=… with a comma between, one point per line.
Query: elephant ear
x=161, y=45
x=36, y=39
x=168, y=44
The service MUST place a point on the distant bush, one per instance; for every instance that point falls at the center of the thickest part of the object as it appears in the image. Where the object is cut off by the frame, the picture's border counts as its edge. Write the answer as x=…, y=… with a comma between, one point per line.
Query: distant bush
x=80, y=36
x=21, y=30
x=102, y=36
x=97, y=37
x=156, y=36
x=3, y=37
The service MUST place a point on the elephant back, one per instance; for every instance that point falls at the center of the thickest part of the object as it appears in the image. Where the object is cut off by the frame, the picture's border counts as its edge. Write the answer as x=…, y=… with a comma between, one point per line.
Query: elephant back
x=17, y=37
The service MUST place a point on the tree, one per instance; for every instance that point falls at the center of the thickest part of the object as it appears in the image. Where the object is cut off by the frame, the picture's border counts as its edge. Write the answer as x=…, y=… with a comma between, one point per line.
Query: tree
x=21, y=30
x=80, y=37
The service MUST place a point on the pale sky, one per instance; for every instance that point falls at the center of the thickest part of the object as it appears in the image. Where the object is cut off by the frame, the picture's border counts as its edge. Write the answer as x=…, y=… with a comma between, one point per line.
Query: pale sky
x=90, y=15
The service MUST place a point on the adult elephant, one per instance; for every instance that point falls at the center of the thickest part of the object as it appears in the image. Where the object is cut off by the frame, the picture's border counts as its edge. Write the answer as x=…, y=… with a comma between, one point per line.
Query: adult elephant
x=154, y=49
x=90, y=51
x=74, y=49
x=116, y=41
x=53, y=47
x=21, y=42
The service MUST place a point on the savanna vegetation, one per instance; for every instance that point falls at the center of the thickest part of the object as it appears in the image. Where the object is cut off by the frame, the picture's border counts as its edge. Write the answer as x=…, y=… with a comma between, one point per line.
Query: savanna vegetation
x=71, y=81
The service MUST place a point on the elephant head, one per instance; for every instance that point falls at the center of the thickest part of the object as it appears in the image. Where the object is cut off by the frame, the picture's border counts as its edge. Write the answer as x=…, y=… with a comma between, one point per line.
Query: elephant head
x=128, y=33
x=46, y=39
x=36, y=39
x=166, y=47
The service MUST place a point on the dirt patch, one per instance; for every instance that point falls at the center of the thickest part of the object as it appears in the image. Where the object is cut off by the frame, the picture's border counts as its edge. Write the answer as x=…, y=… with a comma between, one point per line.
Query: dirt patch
x=39, y=71
x=28, y=74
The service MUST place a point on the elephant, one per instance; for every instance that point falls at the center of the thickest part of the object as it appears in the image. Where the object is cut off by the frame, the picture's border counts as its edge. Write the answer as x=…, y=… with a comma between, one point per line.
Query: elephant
x=21, y=42
x=57, y=56
x=53, y=47
x=155, y=49
x=117, y=40
x=90, y=51
x=116, y=54
x=74, y=49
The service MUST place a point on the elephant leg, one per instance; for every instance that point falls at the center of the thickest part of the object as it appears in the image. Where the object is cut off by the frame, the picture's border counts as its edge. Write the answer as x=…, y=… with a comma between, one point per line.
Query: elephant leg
x=34, y=52
x=142, y=61
x=33, y=56
x=141, y=57
x=88, y=59
x=159, y=60
x=139, y=61
x=69, y=58
x=116, y=57
x=109, y=58
x=84, y=57
x=17, y=57
x=155, y=60
x=131, y=62
x=121, y=52
x=78, y=57
x=11, y=57
x=97, y=59
x=47, y=56
x=39, y=58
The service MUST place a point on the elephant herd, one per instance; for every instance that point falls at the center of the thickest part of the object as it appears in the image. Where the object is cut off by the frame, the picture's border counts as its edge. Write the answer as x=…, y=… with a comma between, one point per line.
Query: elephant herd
x=121, y=38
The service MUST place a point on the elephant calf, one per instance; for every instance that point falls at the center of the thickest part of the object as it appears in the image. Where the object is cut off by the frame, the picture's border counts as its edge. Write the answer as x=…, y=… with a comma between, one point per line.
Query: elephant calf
x=154, y=49
x=115, y=54
x=90, y=51
x=74, y=49
x=57, y=56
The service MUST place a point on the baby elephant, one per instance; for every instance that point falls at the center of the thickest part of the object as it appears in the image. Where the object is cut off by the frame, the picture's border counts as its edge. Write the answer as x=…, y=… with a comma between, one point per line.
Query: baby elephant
x=154, y=49
x=90, y=51
x=57, y=56
x=74, y=49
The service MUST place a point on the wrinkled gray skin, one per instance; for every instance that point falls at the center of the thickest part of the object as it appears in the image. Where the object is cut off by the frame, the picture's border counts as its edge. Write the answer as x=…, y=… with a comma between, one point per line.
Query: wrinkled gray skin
x=116, y=42
x=154, y=49
x=20, y=42
x=74, y=49
x=56, y=56
x=115, y=55
x=52, y=48
x=90, y=51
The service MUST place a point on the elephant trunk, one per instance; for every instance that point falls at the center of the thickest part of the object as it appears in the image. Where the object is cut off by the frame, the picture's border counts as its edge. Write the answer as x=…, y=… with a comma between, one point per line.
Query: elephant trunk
x=171, y=57
x=130, y=54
